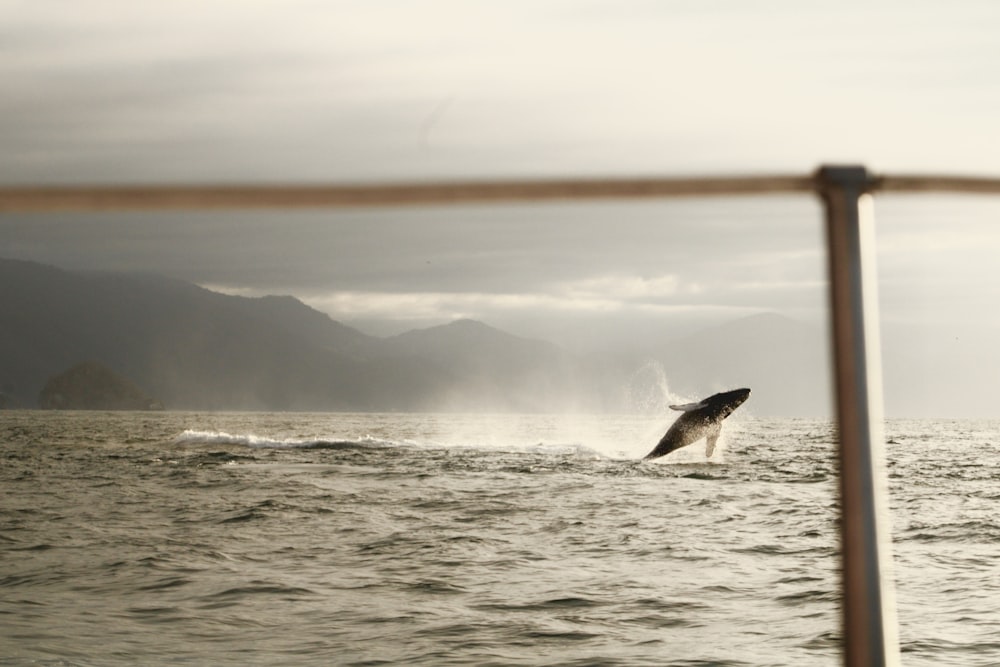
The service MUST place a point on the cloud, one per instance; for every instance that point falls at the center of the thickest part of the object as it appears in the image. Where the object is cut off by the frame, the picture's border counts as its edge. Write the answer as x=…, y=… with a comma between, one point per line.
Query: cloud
x=624, y=288
x=618, y=296
x=353, y=91
x=523, y=309
x=605, y=295
x=937, y=260
x=621, y=261
x=344, y=90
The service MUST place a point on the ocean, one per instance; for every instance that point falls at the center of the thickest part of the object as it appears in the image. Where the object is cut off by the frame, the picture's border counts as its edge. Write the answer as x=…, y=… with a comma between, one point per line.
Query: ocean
x=178, y=538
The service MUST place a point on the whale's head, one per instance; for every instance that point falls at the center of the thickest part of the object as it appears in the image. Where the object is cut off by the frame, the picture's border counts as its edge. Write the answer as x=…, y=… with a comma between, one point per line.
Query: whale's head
x=728, y=401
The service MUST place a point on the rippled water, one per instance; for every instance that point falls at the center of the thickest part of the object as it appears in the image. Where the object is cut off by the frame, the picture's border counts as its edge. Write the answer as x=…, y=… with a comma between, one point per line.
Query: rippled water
x=357, y=539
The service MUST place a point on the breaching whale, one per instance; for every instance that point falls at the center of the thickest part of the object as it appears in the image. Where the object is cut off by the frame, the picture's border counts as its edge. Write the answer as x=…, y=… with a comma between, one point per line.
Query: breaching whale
x=700, y=420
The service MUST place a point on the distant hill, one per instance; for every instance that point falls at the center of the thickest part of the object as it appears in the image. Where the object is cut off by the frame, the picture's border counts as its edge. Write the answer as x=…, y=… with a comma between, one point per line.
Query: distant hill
x=196, y=349
x=193, y=348
x=91, y=386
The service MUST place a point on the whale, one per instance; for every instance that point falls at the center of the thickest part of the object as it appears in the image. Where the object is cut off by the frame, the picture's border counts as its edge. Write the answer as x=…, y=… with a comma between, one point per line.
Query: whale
x=700, y=420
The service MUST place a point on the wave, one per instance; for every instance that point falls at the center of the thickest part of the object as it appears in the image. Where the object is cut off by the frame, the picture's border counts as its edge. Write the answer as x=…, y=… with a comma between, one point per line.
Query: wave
x=194, y=437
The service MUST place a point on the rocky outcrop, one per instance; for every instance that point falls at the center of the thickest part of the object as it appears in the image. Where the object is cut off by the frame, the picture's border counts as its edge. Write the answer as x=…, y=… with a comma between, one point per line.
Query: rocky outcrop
x=91, y=386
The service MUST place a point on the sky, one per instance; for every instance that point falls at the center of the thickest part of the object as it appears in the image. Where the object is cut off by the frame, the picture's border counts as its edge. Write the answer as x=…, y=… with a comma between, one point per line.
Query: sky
x=358, y=92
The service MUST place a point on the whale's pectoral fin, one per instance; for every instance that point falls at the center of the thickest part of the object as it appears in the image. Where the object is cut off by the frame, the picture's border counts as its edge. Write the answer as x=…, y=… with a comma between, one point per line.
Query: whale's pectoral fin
x=711, y=438
x=687, y=407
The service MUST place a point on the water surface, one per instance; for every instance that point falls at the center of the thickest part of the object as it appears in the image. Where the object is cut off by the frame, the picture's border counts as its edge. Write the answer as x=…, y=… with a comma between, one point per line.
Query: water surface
x=366, y=539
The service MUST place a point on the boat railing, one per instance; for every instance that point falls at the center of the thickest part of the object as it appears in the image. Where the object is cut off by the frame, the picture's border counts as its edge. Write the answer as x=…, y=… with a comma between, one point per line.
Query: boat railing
x=868, y=607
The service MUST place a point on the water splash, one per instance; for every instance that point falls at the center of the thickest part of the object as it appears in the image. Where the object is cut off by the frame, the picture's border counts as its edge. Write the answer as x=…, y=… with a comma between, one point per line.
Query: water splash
x=254, y=441
x=648, y=391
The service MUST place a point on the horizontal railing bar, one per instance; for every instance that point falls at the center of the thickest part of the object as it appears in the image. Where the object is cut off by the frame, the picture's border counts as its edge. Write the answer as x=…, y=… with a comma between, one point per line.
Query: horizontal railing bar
x=270, y=196
x=160, y=197
x=937, y=184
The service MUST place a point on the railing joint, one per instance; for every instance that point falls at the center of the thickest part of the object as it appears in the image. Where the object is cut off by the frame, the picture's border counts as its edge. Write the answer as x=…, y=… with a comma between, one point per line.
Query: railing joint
x=854, y=178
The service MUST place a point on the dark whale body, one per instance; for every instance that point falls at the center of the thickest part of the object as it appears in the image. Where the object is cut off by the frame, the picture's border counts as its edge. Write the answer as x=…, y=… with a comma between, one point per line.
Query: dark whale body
x=700, y=420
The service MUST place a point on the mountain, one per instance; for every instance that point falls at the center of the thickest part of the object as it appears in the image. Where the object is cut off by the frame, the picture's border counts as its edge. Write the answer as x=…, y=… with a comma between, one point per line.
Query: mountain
x=196, y=349
x=191, y=348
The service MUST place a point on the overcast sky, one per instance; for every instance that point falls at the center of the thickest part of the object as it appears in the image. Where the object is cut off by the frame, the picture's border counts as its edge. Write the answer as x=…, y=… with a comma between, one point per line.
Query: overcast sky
x=328, y=91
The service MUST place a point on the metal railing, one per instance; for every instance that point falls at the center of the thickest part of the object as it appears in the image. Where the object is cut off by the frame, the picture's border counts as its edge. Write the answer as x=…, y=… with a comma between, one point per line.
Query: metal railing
x=207, y=197
x=869, y=622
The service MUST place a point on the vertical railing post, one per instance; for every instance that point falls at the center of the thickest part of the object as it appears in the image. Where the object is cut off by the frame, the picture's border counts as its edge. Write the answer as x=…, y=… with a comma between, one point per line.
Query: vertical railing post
x=869, y=618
